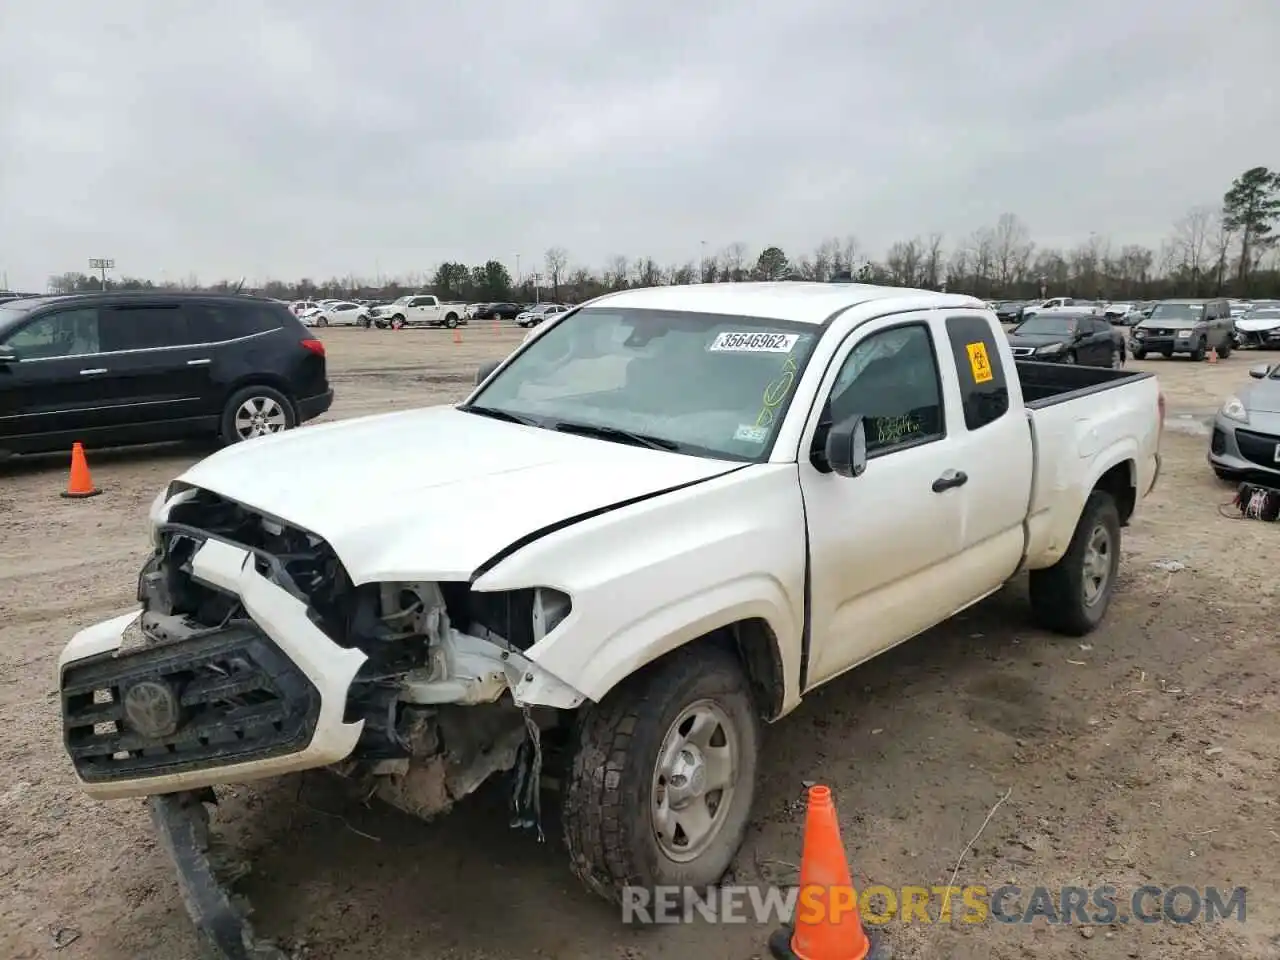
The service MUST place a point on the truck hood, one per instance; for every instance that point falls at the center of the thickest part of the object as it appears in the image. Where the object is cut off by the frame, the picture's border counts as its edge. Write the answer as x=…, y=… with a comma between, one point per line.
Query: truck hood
x=431, y=494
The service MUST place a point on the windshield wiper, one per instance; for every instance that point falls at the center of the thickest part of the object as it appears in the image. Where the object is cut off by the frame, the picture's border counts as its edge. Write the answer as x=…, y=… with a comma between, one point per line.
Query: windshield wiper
x=616, y=434
x=497, y=414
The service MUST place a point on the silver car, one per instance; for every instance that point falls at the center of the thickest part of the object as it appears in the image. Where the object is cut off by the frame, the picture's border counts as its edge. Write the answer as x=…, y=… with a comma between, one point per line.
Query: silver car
x=1246, y=430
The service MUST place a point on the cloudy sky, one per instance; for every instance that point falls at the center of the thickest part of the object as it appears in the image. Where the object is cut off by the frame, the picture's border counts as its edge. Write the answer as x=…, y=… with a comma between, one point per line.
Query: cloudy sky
x=324, y=137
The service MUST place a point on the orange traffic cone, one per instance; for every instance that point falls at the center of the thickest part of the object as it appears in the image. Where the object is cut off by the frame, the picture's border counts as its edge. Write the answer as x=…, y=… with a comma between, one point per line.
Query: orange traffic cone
x=81, y=484
x=1213, y=354
x=457, y=334
x=826, y=925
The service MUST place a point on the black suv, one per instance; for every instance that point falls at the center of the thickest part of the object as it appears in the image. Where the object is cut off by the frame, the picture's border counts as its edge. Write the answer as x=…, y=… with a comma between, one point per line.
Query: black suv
x=117, y=368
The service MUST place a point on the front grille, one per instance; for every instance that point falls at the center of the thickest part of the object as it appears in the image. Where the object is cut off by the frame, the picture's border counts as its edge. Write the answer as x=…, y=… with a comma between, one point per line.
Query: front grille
x=1258, y=447
x=237, y=697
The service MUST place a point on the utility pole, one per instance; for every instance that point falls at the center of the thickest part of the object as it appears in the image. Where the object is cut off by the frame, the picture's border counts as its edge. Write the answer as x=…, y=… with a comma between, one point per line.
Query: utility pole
x=702, y=262
x=102, y=265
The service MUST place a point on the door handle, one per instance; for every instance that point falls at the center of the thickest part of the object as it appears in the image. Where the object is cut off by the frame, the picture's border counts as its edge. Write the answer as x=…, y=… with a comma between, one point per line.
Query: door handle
x=91, y=372
x=199, y=363
x=949, y=479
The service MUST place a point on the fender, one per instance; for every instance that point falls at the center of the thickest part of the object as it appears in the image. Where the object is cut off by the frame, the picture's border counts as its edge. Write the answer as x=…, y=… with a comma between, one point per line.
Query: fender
x=648, y=578
x=1067, y=515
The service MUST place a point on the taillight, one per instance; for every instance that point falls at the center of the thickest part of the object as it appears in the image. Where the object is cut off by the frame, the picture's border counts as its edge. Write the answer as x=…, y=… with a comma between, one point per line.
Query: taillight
x=317, y=347
x=1160, y=412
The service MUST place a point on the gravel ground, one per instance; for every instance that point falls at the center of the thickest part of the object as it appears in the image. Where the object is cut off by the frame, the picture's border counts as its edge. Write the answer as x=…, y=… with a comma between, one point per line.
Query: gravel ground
x=1148, y=754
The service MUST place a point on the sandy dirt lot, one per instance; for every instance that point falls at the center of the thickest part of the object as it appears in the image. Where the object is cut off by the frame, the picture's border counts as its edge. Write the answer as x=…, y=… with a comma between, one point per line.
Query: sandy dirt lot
x=1148, y=754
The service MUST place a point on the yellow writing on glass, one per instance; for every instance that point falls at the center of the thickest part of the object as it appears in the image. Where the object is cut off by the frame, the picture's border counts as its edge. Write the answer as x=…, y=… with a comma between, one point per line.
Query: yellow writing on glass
x=775, y=393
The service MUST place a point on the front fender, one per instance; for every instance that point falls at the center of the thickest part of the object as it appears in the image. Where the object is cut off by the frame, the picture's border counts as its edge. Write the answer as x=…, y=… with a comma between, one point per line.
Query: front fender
x=648, y=578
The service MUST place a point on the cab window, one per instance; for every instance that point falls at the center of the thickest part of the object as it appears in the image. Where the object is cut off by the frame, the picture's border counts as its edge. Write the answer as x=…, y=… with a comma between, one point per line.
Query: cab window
x=984, y=391
x=71, y=333
x=890, y=379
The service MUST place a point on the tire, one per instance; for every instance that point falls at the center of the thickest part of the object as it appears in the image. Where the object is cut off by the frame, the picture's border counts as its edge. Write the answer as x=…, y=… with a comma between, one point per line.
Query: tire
x=397, y=322
x=451, y=321
x=1064, y=598
x=608, y=809
x=1117, y=359
x=1224, y=351
x=1198, y=353
x=322, y=321
x=1070, y=358
x=273, y=406
x=1139, y=354
x=364, y=322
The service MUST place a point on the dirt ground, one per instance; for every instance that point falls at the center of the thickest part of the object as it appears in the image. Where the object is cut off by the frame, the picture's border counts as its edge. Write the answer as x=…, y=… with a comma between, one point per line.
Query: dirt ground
x=1148, y=754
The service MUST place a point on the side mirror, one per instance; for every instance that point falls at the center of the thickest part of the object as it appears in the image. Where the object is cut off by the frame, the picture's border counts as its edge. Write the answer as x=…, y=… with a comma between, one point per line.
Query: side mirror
x=846, y=447
x=1258, y=373
x=485, y=369
x=8, y=354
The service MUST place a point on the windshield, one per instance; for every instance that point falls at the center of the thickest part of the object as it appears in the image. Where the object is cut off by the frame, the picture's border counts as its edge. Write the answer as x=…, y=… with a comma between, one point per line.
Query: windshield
x=1271, y=313
x=706, y=384
x=1177, y=311
x=1048, y=326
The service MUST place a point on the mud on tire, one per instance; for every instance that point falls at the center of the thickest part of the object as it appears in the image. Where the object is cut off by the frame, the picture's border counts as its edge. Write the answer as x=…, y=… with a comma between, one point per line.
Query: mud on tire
x=608, y=810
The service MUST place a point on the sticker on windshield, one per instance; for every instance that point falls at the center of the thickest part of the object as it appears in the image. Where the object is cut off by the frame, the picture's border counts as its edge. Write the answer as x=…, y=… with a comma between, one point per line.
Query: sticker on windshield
x=978, y=362
x=754, y=342
x=751, y=434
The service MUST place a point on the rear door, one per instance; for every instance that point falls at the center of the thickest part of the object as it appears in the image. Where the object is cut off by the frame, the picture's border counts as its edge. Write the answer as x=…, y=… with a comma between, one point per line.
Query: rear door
x=992, y=446
x=53, y=386
x=151, y=370
x=1101, y=342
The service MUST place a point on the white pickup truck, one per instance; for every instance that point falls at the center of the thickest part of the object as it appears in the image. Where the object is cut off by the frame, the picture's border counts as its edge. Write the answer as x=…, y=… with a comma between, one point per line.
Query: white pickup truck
x=419, y=310
x=661, y=521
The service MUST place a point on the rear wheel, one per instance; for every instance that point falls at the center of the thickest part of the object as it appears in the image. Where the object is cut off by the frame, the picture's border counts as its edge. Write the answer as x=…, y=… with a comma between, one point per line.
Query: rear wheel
x=397, y=322
x=1070, y=357
x=663, y=775
x=256, y=411
x=1072, y=596
x=1224, y=351
x=451, y=321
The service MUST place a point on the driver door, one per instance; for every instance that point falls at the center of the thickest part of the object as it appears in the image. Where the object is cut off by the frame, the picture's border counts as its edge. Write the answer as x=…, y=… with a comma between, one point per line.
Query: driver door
x=880, y=543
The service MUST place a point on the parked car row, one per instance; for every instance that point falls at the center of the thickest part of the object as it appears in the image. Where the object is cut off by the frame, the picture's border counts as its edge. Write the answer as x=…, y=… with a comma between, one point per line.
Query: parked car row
x=417, y=310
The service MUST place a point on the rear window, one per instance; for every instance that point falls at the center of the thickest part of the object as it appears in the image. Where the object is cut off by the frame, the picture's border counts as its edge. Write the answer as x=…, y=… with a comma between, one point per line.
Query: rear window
x=216, y=322
x=983, y=387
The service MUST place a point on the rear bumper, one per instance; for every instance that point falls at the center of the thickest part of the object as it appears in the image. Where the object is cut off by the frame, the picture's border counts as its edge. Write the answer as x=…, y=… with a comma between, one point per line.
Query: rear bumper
x=313, y=407
x=300, y=726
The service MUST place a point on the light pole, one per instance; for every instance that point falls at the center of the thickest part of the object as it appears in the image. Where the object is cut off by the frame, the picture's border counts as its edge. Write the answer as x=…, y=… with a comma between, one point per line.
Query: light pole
x=102, y=265
x=702, y=261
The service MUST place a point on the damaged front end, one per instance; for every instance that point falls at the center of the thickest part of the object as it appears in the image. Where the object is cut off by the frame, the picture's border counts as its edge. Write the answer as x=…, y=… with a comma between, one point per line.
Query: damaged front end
x=254, y=655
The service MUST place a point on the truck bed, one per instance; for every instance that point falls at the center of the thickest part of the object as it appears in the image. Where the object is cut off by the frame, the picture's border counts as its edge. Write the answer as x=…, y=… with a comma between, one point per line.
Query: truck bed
x=1046, y=384
x=1083, y=420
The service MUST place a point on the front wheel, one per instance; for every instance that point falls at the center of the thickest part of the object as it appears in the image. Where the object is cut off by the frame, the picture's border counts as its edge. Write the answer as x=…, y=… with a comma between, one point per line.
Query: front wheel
x=1198, y=353
x=1072, y=596
x=451, y=321
x=397, y=322
x=1139, y=354
x=663, y=776
x=1224, y=351
x=322, y=321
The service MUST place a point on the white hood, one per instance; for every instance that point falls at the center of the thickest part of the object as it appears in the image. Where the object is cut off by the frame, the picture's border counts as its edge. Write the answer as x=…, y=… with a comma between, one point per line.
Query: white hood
x=431, y=494
x=1258, y=325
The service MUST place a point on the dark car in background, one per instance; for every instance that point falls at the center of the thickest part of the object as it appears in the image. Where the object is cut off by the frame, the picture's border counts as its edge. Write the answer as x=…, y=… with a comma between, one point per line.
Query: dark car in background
x=117, y=368
x=1008, y=311
x=497, y=311
x=1067, y=337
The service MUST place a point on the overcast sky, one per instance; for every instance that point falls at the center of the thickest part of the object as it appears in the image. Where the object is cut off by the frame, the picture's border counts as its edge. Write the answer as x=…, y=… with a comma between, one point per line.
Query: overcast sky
x=318, y=137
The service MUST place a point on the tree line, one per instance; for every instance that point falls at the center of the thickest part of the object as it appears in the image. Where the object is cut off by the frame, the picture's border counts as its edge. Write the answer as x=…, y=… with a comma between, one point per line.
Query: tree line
x=1228, y=249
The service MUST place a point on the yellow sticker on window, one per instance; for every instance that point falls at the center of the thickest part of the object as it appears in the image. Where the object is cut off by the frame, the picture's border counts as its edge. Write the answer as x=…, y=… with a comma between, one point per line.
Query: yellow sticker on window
x=978, y=362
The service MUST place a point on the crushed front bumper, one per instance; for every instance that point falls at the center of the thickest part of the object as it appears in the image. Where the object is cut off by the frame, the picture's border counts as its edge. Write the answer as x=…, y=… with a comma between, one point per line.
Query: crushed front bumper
x=289, y=654
x=182, y=823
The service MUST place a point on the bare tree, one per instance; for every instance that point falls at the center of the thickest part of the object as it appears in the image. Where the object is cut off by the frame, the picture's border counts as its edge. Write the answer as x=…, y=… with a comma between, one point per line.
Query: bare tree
x=1011, y=250
x=734, y=257
x=931, y=275
x=1189, y=245
x=557, y=258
